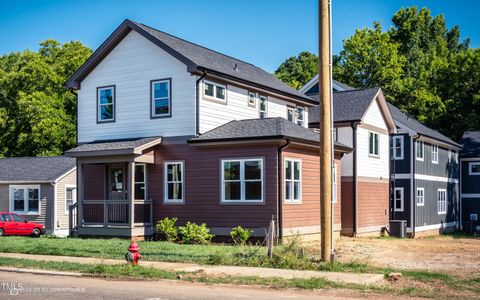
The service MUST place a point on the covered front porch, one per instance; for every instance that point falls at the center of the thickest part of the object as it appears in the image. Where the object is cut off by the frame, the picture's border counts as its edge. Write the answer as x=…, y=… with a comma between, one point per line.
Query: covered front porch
x=112, y=194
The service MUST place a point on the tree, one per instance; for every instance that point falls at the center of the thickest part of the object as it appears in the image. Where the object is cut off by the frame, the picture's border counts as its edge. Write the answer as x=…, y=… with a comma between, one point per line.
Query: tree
x=296, y=71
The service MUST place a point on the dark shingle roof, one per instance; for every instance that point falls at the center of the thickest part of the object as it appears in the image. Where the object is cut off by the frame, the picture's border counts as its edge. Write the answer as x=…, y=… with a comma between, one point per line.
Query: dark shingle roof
x=261, y=129
x=35, y=169
x=401, y=118
x=348, y=106
x=128, y=145
x=471, y=144
x=343, y=85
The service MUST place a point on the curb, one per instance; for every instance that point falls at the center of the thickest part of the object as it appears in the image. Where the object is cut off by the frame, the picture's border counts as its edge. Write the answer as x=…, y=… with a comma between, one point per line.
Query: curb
x=41, y=272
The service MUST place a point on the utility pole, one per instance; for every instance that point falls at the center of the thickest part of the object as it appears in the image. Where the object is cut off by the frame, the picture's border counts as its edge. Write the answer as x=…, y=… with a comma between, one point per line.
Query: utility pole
x=325, y=130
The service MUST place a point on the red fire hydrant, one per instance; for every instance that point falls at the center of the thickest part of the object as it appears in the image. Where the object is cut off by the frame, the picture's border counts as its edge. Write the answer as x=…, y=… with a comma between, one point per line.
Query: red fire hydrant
x=132, y=255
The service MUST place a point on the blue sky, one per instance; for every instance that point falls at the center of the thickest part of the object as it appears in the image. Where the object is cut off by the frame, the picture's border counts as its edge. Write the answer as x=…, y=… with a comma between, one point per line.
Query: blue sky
x=262, y=32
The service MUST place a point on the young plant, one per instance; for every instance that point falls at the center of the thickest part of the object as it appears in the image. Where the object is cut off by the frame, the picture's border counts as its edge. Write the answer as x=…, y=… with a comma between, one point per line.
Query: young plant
x=240, y=235
x=195, y=234
x=167, y=229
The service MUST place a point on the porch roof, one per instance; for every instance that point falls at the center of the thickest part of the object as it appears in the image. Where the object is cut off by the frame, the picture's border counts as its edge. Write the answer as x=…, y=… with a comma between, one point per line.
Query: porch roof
x=114, y=147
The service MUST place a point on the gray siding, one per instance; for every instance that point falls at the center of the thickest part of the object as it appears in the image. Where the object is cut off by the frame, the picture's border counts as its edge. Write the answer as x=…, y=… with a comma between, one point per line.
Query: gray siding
x=444, y=168
x=405, y=215
x=470, y=184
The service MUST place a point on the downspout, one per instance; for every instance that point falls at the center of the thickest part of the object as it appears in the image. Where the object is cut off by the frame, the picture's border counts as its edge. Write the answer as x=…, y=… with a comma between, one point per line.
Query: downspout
x=197, y=103
x=280, y=189
x=72, y=91
x=414, y=184
x=355, y=183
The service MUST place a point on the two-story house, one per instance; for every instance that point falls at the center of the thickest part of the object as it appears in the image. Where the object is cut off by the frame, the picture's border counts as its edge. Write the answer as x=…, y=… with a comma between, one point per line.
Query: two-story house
x=470, y=181
x=168, y=128
x=363, y=122
x=425, y=177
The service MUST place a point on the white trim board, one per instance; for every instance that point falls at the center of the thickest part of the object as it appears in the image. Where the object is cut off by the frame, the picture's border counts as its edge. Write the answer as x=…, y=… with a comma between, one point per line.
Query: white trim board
x=435, y=226
x=425, y=177
x=470, y=196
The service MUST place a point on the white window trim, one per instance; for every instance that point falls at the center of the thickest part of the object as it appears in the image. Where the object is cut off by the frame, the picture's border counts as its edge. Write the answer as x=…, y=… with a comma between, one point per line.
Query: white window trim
x=26, y=208
x=242, y=180
x=378, y=144
x=215, y=85
x=398, y=137
x=401, y=199
x=417, y=144
x=99, y=105
x=298, y=119
x=259, y=106
x=144, y=180
x=292, y=200
x=291, y=109
x=74, y=196
x=254, y=104
x=435, y=154
x=440, y=212
x=165, y=182
x=423, y=196
x=470, y=168
x=153, y=99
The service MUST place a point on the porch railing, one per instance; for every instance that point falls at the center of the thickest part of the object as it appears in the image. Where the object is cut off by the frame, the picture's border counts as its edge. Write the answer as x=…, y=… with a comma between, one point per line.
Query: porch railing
x=115, y=212
x=72, y=219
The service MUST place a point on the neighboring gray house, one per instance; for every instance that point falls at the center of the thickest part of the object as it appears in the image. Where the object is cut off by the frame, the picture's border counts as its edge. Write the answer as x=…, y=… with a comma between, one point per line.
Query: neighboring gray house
x=470, y=175
x=39, y=188
x=425, y=175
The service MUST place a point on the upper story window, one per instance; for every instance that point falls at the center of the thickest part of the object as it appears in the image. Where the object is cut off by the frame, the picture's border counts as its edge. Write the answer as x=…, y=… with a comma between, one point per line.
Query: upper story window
x=291, y=113
x=252, y=99
x=397, y=147
x=300, y=116
x=242, y=180
x=435, y=154
x=160, y=98
x=296, y=115
x=262, y=108
x=25, y=199
x=474, y=168
x=373, y=141
x=420, y=147
x=293, y=180
x=215, y=91
x=106, y=104
x=442, y=201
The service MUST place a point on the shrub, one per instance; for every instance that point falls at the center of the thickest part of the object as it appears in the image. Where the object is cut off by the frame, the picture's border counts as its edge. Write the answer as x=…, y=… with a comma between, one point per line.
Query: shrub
x=240, y=235
x=167, y=229
x=195, y=234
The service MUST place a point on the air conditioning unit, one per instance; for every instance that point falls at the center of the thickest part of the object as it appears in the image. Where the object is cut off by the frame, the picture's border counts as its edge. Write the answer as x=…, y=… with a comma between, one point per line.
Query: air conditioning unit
x=398, y=228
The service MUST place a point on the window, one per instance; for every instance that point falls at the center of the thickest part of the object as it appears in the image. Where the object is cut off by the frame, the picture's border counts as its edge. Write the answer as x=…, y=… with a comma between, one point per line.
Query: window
x=373, y=144
x=419, y=150
x=435, y=154
x=397, y=147
x=263, y=107
x=442, y=201
x=420, y=196
x=70, y=197
x=290, y=113
x=5, y=218
x=242, y=180
x=474, y=168
x=300, y=116
x=160, y=98
x=252, y=99
x=19, y=219
x=140, y=181
x=398, y=201
x=334, y=180
x=174, y=179
x=25, y=199
x=106, y=104
x=215, y=90
x=473, y=217
x=293, y=180
x=449, y=155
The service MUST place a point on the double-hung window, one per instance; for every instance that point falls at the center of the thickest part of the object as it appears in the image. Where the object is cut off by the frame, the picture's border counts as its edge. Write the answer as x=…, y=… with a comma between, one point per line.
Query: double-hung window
x=215, y=91
x=70, y=197
x=397, y=147
x=174, y=182
x=252, y=99
x=420, y=196
x=435, y=154
x=373, y=141
x=242, y=180
x=25, y=199
x=474, y=168
x=420, y=147
x=262, y=107
x=161, y=98
x=291, y=113
x=293, y=181
x=106, y=104
x=442, y=201
x=140, y=181
x=300, y=116
x=398, y=200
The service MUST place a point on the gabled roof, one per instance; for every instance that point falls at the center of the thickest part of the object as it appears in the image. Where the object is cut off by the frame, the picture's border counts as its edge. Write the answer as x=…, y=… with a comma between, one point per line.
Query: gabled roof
x=114, y=147
x=311, y=87
x=195, y=57
x=471, y=144
x=35, y=169
x=404, y=120
x=268, y=128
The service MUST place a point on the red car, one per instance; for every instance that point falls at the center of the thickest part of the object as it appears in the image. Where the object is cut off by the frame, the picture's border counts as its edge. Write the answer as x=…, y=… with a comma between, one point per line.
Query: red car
x=15, y=224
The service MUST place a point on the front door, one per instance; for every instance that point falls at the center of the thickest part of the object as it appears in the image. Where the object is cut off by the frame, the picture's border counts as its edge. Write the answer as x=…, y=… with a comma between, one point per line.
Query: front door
x=116, y=189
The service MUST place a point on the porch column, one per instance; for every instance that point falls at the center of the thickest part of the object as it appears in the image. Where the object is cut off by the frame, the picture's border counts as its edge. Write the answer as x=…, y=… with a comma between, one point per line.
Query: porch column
x=131, y=192
x=80, y=192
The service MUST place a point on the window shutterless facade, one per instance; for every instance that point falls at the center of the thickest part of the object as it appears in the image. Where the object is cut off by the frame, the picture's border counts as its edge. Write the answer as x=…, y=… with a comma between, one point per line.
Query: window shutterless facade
x=420, y=149
x=140, y=181
x=262, y=107
x=161, y=98
x=174, y=182
x=215, y=91
x=106, y=104
x=300, y=116
x=252, y=99
x=398, y=201
x=420, y=196
x=435, y=154
x=70, y=197
x=373, y=140
x=25, y=199
x=442, y=201
x=293, y=181
x=474, y=168
x=242, y=180
x=291, y=113
x=397, y=147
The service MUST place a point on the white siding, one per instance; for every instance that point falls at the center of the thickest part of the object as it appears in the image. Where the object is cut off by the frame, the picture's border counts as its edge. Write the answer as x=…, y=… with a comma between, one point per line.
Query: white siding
x=374, y=167
x=130, y=67
x=344, y=136
x=216, y=113
x=374, y=116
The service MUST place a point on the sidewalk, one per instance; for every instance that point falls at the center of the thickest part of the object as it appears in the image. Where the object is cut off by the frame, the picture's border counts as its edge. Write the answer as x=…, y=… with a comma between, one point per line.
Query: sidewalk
x=214, y=270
